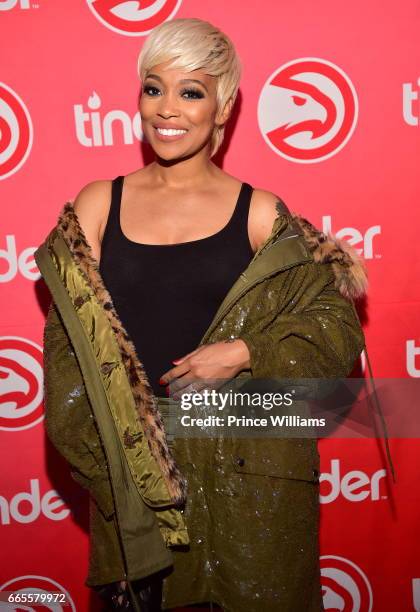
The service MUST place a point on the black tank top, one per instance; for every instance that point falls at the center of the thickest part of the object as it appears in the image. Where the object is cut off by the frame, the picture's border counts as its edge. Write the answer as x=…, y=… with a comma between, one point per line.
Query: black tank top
x=167, y=295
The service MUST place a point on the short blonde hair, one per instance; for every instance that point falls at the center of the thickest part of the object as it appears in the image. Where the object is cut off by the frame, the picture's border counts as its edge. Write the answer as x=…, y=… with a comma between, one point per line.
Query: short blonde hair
x=194, y=44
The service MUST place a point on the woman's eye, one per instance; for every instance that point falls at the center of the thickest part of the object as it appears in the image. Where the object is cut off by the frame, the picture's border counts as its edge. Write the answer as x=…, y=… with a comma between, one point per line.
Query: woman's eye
x=147, y=89
x=192, y=93
x=195, y=92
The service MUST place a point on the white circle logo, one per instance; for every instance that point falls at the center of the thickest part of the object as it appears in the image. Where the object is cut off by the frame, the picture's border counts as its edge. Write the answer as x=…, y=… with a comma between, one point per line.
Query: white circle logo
x=21, y=383
x=133, y=18
x=33, y=593
x=344, y=586
x=16, y=132
x=307, y=110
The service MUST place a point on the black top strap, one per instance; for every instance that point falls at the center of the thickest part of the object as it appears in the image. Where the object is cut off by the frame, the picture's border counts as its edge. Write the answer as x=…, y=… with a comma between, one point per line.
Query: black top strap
x=117, y=185
x=239, y=221
x=113, y=222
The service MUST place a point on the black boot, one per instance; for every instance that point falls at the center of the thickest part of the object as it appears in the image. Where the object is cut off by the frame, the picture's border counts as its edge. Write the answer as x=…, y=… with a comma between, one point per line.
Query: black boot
x=148, y=592
x=115, y=597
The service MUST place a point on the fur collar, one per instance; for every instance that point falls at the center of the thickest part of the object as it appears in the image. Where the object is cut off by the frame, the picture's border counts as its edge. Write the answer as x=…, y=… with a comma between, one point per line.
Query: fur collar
x=351, y=281
x=349, y=268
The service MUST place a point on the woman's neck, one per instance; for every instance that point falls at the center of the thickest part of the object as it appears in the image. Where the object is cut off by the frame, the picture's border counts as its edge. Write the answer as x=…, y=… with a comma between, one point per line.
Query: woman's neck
x=183, y=174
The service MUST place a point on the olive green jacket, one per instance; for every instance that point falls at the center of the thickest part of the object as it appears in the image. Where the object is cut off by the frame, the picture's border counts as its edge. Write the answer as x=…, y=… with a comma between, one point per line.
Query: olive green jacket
x=293, y=307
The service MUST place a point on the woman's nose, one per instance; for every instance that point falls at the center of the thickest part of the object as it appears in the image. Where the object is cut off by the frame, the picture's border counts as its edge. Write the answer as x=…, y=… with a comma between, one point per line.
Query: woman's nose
x=168, y=106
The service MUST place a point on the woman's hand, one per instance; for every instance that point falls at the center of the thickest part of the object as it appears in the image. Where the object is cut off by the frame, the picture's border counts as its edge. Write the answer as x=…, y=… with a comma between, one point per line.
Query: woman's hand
x=220, y=360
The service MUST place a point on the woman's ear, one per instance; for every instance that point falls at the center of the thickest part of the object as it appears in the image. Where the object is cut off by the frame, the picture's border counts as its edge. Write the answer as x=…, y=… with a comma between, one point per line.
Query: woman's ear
x=225, y=114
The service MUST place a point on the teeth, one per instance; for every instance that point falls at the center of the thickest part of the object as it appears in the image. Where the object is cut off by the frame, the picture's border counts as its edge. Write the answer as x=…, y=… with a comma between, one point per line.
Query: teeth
x=170, y=132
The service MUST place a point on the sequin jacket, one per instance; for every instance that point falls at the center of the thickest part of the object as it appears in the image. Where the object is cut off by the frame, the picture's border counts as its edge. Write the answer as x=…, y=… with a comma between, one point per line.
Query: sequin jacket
x=293, y=307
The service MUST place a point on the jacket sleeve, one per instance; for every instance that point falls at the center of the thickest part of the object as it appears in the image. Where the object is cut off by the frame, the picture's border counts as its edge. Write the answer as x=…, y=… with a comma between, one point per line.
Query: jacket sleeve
x=69, y=421
x=312, y=331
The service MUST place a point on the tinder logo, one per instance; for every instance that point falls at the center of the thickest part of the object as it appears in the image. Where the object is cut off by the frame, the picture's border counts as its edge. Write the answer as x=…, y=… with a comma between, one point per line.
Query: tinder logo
x=412, y=351
x=355, y=486
x=94, y=128
x=26, y=507
x=410, y=103
x=354, y=237
x=22, y=262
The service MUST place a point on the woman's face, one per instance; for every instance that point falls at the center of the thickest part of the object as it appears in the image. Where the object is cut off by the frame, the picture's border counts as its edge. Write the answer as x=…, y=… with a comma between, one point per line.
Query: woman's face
x=181, y=101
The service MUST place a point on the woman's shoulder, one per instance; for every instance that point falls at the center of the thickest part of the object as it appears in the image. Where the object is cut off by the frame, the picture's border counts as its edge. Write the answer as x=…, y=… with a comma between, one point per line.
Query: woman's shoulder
x=93, y=195
x=91, y=206
x=265, y=207
x=268, y=203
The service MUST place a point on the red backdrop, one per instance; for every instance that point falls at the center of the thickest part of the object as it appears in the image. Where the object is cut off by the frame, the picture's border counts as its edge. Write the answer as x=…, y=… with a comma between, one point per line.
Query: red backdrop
x=327, y=118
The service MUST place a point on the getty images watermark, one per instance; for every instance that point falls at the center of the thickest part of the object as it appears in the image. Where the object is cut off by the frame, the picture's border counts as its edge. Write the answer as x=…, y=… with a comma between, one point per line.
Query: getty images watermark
x=216, y=401
x=301, y=408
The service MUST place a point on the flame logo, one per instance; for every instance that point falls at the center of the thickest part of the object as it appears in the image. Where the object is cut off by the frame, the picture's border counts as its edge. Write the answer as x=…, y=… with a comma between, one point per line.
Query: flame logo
x=307, y=110
x=345, y=588
x=16, y=132
x=94, y=101
x=133, y=18
x=21, y=383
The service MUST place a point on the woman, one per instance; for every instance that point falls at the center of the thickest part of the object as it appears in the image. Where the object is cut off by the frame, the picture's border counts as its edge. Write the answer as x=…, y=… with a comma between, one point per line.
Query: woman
x=178, y=272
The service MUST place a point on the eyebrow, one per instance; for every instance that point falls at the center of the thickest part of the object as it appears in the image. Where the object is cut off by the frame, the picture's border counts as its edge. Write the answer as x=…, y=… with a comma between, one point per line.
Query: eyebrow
x=157, y=77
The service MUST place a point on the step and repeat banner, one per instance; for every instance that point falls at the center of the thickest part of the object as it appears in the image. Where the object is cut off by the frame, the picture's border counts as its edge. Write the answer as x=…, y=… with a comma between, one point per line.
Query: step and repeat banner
x=327, y=118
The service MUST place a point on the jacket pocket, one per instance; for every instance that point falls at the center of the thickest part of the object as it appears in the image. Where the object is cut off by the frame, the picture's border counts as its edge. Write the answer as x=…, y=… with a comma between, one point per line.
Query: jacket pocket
x=296, y=459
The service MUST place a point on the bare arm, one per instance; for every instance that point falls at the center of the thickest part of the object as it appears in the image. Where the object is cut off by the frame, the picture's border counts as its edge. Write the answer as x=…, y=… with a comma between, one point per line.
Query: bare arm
x=92, y=208
x=262, y=214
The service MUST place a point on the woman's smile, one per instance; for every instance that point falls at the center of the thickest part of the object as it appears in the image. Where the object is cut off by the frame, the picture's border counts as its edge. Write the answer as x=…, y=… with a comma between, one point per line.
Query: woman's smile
x=169, y=134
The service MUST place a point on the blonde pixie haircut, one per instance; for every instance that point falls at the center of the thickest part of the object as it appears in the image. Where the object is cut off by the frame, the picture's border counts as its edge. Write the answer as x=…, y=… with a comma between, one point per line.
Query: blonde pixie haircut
x=194, y=44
